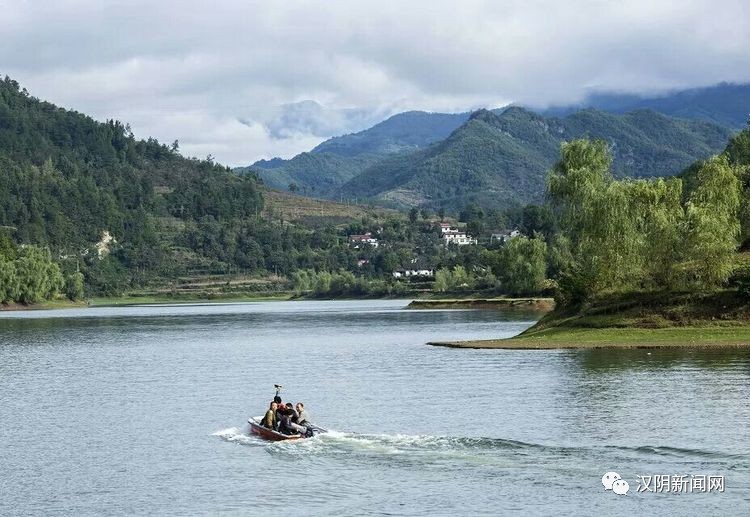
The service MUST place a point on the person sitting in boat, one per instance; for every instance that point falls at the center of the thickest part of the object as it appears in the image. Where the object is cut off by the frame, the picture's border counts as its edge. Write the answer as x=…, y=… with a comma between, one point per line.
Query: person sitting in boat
x=285, y=421
x=301, y=414
x=299, y=419
x=269, y=420
x=279, y=410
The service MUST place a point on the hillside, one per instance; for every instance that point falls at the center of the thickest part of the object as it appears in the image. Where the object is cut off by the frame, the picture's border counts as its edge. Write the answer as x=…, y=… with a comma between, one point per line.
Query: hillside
x=502, y=159
x=314, y=174
x=315, y=213
x=65, y=177
x=334, y=162
x=403, y=132
x=86, y=202
x=724, y=104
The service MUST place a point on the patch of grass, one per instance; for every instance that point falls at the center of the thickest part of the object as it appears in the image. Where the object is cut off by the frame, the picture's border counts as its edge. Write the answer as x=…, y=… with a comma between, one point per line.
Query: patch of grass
x=554, y=338
x=197, y=298
x=638, y=320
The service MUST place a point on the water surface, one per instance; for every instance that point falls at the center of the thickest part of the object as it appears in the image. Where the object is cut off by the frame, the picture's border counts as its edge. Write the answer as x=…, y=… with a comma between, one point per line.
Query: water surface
x=142, y=410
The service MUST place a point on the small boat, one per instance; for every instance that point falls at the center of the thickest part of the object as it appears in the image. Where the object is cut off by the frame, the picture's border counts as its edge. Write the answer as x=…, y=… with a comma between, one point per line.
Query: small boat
x=275, y=436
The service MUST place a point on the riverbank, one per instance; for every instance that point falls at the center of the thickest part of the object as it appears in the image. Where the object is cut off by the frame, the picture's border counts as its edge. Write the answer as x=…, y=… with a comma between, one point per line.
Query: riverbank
x=45, y=305
x=126, y=300
x=636, y=320
x=615, y=338
x=117, y=301
x=537, y=304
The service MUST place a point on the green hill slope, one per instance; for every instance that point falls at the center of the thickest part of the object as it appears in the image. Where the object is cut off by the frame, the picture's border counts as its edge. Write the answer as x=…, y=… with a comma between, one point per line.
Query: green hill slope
x=134, y=214
x=501, y=159
x=337, y=160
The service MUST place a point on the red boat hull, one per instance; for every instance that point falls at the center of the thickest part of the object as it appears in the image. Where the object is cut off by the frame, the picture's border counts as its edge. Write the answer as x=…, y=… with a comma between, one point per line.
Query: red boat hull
x=270, y=434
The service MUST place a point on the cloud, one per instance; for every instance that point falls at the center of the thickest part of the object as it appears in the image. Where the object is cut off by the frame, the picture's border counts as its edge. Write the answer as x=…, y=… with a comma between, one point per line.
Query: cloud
x=248, y=79
x=309, y=117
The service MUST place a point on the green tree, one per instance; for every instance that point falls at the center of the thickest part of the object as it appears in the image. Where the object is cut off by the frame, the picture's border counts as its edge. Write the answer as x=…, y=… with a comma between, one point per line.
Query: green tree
x=74, y=286
x=8, y=281
x=323, y=282
x=597, y=217
x=712, y=226
x=443, y=280
x=38, y=277
x=660, y=216
x=523, y=265
x=460, y=278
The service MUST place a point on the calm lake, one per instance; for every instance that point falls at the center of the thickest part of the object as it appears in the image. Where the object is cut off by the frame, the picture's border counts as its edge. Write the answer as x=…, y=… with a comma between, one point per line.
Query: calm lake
x=143, y=410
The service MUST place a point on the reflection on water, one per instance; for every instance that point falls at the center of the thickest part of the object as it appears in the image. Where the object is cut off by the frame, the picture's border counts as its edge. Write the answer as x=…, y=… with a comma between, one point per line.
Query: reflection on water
x=608, y=359
x=142, y=410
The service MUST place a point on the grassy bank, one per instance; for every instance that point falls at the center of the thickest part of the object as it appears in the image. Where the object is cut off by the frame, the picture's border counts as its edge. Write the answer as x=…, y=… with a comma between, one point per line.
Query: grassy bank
x=616, y=338
x=637, y=320
x=45, y=305
x=184, y=298
x=536, y=304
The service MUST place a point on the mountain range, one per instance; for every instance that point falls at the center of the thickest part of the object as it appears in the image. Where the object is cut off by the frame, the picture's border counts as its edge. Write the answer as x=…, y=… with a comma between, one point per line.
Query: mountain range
x=725, y=104
x=500, y=157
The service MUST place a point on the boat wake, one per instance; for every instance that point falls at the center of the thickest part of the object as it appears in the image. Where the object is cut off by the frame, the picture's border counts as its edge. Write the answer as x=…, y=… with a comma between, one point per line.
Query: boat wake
x=239, y=436
x=424, y=450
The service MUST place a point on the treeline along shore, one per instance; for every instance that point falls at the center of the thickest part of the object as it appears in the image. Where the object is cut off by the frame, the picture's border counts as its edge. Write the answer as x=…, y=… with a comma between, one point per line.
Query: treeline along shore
x=646, y=263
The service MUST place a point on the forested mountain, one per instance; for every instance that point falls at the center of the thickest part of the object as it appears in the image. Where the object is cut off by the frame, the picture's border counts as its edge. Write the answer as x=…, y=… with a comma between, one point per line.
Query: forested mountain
x=81, y=196
x=313, y=174
x=337, y=160
x=329, y=165
x=403, y=132
x=725, y=104
x=495, y=158
x=502, y=159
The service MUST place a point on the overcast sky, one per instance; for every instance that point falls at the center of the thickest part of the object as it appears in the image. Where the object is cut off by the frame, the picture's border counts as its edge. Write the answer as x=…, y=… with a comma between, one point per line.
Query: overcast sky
x=233, y=78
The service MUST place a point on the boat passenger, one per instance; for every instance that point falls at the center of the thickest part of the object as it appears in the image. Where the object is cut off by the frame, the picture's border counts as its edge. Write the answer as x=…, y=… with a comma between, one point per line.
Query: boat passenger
x=300, y=419
x=285, y=422
x=280, y=408
x=269, y=420
x=301, y=413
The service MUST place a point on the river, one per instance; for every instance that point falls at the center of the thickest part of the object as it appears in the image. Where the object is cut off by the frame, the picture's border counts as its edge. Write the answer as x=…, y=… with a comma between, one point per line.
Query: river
x=142, y=411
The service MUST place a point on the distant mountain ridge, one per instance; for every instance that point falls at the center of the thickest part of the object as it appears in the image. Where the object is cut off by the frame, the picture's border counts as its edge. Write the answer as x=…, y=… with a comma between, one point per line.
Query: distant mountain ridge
x=502, y=159
x=402, y=132
x=725, y=104
x=337, y=160
x=494, y=158
x=396, y=161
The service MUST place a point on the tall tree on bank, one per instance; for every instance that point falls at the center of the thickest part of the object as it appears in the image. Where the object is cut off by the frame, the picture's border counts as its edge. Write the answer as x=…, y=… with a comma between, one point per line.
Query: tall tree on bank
x=624, y=235
x=712, y=226
x=596, y=219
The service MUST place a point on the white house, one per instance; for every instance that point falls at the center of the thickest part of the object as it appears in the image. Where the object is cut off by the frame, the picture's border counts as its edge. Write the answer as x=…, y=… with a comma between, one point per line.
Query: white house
x=458, y=237
x=505, y=236
x=359, y=240
x=446, y=227
x=417, y=268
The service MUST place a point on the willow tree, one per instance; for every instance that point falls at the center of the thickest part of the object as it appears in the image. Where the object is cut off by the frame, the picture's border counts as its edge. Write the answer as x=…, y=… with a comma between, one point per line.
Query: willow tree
x=38, y=277
x=8, y=280
x=657, y=207
x=712, y=226
x=738, y=156
x=523, y=265
x=597, y=219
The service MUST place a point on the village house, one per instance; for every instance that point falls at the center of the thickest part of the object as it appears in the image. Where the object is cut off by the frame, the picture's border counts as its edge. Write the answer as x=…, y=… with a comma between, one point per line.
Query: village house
x=504, y=236
x=454, y=235
x=457, y=237
x=416, y=268
x=357, y=241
